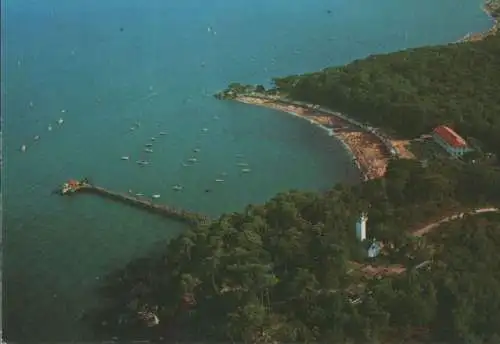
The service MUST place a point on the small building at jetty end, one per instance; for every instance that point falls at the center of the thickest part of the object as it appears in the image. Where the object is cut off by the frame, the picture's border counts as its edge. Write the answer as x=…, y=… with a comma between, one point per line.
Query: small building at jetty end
x=453, y=143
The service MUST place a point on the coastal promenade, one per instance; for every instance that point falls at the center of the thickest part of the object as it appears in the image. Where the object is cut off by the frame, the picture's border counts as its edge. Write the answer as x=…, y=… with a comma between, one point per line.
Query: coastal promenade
x=369, y=149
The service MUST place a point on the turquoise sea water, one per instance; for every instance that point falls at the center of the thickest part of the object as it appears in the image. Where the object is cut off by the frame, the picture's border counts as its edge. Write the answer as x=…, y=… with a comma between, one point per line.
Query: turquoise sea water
x=109, y=64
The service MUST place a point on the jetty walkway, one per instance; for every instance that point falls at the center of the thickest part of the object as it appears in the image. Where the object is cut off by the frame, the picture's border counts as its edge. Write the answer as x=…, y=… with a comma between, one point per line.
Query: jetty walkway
x=191, y=218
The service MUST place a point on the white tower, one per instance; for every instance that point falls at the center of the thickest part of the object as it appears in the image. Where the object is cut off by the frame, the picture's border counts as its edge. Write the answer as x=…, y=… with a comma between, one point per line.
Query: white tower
x=361, y=227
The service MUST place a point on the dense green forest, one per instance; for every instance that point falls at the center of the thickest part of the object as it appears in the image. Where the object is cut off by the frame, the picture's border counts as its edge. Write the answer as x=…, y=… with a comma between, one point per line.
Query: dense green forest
x=409, y=92
x=282, y=271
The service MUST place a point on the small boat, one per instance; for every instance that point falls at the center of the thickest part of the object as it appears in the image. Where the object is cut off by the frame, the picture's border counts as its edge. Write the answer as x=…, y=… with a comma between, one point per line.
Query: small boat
x=223, y=174
x=63, y=110
x=129, y=191
x=245, y=170
x=153, y=138
x=148, y=150
x=50, y=128
x=196, y=150
x=31, y=104
x=242, y=164
x=192, y=160
x=142, y=162
x=36, y=138
x=216, y=117
x=184, y=164
x=148, y=145
x=60, y=121
x=139, y=194
x=125, y=157
x=132, y=128
x=163, y=133
x=205, y=129
x=23, y=148
x=219, y=180
x=177, y=187
x=156, y=196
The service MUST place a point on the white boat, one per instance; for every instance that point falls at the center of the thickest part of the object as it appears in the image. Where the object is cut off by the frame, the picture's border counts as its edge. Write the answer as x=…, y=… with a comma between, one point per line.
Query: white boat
x=142, y=162
x=148, y=145
x=23, y=148
x=132, y=128
x=196, y=150
x=36, y=138
x=60, y=121
x=153, y=138
x=129, y=190
x=205, y=129
x=177, y=187
x=125, y=157
x=139, y=194
x=156, y=196
x=163, y=133
x=219, y=180
x=148, y=150
x=63, y=110
x=192, y=160
x=242, y=164
x=245, y=170
x=50, y=128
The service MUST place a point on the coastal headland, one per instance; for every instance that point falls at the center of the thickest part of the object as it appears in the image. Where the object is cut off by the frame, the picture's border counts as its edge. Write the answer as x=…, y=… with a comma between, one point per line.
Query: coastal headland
x=387, y=260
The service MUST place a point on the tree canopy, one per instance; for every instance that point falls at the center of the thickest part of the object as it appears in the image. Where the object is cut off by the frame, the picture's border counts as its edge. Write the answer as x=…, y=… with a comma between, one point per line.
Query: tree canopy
x=410, y=92
x=283, y=271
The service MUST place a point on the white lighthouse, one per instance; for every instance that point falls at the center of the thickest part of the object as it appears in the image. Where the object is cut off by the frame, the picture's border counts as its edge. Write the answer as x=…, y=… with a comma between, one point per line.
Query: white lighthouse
x=361, y=227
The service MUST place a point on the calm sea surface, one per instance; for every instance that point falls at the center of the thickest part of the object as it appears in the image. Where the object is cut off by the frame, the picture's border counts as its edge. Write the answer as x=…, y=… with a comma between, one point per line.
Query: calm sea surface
x=101, y=66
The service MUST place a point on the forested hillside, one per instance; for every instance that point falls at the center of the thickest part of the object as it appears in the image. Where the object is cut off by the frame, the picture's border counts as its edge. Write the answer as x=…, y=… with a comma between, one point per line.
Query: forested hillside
x=282, y=272
x=409, y=92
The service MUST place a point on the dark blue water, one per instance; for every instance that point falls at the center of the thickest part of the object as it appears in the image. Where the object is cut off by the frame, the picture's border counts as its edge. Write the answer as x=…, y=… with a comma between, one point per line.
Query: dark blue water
x=104, y=65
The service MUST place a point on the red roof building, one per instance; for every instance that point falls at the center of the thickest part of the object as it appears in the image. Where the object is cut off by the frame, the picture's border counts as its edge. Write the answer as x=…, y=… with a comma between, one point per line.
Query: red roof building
x=450, y=140
x=449, y=136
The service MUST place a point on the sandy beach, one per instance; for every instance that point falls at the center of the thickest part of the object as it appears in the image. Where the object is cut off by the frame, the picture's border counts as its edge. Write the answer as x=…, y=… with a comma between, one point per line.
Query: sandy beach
x=366, y=150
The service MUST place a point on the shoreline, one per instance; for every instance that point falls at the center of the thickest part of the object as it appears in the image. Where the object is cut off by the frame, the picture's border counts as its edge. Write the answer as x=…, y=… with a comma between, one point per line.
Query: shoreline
x=488, y=7
x=364, y=148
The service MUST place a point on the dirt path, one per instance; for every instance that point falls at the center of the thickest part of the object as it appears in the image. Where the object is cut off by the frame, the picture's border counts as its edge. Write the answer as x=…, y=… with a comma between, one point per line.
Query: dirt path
x=398, y=268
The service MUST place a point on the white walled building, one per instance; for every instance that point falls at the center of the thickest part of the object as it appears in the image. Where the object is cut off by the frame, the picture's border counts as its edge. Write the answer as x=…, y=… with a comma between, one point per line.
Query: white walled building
x=453, y=143
x=361, y=227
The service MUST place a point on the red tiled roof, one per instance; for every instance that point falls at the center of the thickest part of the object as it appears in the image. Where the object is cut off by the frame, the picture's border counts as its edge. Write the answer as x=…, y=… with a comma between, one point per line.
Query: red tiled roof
x=450, y=137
